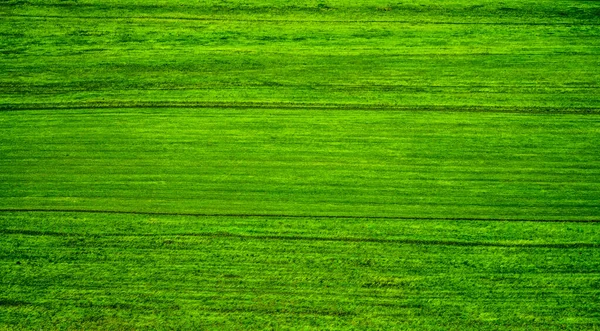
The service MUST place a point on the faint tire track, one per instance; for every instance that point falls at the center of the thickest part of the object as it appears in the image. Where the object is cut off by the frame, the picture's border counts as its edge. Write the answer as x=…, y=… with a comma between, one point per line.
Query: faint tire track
x=258, y=20
x=297, y=106
x=310, y=238
x=400, y=218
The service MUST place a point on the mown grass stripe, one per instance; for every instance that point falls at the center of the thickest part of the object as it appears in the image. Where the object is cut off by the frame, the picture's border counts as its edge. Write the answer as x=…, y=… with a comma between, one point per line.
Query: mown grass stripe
x=300, y=106
x=362, y=21
x=96, y=211
x=307, y=238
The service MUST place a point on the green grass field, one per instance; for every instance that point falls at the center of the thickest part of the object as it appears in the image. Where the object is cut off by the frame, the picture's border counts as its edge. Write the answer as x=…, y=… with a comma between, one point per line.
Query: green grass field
x=300, y=165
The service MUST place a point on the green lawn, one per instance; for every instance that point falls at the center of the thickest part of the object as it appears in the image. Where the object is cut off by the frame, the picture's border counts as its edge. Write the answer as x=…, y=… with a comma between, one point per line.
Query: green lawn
x=303, y=162
x=299, y=165
x=537, y=56
x=73, y=270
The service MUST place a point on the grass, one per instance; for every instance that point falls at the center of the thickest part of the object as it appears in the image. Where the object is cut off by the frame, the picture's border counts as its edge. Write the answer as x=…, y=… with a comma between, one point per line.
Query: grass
x=539, y=56
x=298, y=162
x=308, y=165
x=130, y=271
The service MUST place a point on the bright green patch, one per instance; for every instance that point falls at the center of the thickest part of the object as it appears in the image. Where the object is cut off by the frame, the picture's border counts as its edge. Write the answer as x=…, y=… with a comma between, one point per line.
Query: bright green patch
x=342, y=164
x=125, y=271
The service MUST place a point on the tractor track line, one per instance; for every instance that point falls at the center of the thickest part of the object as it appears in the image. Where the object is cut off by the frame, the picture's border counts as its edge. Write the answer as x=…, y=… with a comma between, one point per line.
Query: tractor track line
x=214, y=19
x=310, y=238
x=400, y=218
x=299, y=106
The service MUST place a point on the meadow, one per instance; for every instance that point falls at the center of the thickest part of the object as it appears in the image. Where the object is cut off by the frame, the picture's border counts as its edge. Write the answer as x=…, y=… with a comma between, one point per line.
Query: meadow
x=299, y=165
x=114, y=271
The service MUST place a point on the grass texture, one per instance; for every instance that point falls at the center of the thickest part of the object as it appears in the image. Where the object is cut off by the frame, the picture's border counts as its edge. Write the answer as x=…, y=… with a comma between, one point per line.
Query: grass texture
x=299, y=165
x=102, y=271
x=302, y=162
x=512, y=56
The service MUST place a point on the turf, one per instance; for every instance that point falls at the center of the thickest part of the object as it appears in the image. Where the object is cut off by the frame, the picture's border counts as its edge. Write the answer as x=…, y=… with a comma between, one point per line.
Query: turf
x=299, y=165
x=130, y=271
x=299, y=162
x=516, y=56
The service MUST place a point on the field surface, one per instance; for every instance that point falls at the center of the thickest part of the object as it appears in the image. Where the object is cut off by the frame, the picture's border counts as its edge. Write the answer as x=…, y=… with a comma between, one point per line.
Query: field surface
x=300, y=165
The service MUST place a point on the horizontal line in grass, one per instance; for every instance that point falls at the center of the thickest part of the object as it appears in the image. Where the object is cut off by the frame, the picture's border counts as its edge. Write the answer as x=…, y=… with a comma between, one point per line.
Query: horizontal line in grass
x=299, y=106
x=259, y=20
x=11, y=88
x=13, y=303
x=310, y=238
x=415, y=218
x=271, y=311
